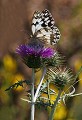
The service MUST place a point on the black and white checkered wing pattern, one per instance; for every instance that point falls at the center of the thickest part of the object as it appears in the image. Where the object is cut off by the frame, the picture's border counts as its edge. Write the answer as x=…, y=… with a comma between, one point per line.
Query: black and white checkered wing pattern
x=36, y=22
x=43, y=27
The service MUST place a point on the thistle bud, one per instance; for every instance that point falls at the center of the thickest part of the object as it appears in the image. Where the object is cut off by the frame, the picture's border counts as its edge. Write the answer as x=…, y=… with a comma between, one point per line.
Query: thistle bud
x=60, y=77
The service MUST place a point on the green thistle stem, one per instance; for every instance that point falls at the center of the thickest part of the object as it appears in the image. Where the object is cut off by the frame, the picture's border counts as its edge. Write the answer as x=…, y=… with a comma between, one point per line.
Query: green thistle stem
x=32, y=95
x=54, y=106
x=48, y=91
x=39, y=86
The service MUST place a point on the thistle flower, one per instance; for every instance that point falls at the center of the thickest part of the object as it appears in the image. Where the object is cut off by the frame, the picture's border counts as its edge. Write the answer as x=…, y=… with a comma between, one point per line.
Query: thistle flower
x=60, y=78
x=34, y=53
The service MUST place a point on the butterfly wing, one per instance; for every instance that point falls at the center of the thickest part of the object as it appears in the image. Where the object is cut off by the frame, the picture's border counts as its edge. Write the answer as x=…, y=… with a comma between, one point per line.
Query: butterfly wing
x=43, y=27
x=36, y=22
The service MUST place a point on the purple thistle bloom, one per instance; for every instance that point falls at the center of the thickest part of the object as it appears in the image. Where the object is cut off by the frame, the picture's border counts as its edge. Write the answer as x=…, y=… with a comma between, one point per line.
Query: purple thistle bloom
x=26, y=50
x=47, y=53
x=34, y=53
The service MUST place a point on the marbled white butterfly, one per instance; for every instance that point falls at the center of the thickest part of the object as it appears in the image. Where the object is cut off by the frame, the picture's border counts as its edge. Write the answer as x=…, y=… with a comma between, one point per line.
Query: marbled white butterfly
x=43, y=27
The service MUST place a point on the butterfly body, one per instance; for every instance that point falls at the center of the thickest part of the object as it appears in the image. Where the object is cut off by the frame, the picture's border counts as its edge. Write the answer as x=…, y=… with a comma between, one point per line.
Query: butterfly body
x=44, y=29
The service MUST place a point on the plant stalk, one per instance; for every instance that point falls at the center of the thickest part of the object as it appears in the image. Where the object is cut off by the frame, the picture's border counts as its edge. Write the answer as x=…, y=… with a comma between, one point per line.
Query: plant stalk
x=41, y=80
x=48, y=90
x=32, y=95
x=54, y=106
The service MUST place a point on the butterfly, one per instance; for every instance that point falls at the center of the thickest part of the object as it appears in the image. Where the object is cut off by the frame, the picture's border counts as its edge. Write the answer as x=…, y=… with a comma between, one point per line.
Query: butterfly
x=43, y=27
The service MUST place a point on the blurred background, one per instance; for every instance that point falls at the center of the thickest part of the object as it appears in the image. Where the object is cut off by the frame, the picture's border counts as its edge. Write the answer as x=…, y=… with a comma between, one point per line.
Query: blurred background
x=15, y=26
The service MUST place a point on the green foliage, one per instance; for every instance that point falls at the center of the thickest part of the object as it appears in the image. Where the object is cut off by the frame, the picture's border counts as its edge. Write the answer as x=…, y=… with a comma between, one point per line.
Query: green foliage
x=19, y=83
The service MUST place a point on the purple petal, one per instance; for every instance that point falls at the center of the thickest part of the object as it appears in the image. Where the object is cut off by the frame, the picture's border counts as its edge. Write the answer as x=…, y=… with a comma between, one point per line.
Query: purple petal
x=35, y=50
x=47, y=53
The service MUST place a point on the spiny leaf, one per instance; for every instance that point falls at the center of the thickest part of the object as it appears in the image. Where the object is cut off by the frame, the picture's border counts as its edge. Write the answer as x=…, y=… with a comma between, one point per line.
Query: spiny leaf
x=19, y=83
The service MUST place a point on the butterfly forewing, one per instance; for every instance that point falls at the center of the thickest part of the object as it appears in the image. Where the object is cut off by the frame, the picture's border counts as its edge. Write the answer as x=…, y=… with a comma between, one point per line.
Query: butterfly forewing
x=43, y=27
x=36, y=22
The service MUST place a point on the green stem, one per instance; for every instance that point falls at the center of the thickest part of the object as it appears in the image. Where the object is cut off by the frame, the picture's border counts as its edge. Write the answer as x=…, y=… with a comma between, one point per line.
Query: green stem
x=54, y=106
x=39, y=86
x=32, y=95
x=48, y=90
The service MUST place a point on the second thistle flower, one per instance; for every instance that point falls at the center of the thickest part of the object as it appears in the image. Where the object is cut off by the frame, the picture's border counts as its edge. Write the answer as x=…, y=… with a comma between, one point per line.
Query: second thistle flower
x=60, y=78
